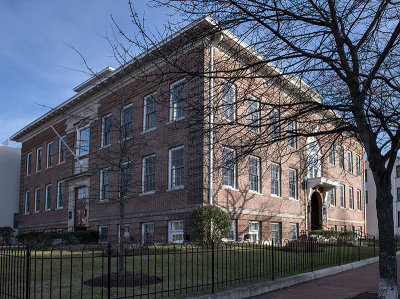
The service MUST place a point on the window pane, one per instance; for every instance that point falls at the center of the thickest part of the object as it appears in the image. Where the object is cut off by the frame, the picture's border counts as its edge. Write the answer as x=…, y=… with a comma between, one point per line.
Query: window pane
x=150, y=112
x=62, y=148
x=254, y=115
x=106, y=129
x=228, y=167
x=293, y=183
x=83, y=141
x=254, y=174
x=149, y=174
x=229, y=101
x=275, y=179
x=177, y=167
x=127, y=122
x=177, y=100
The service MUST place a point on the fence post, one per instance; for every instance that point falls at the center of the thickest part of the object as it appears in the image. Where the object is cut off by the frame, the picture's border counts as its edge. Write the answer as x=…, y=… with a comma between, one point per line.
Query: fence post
x=359, y=249
x=312, y=256
x=28, y=271
x=212, y=267
x=109, y=270
x=273, y=260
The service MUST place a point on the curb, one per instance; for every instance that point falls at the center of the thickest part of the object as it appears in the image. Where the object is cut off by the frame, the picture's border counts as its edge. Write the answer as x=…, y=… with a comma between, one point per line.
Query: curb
x=273, y=285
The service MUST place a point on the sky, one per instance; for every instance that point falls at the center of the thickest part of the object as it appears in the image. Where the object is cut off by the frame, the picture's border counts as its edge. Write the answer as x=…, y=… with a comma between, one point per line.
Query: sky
x=37, y=68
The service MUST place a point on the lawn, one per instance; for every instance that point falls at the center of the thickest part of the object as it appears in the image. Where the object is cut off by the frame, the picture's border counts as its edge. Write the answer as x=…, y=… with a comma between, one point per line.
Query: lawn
x=183, y=269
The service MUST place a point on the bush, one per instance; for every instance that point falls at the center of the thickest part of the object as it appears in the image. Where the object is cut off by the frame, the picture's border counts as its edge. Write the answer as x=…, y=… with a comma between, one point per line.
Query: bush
x=46, y=238
x=6, y=235
x=328, y=234
x=209, y=223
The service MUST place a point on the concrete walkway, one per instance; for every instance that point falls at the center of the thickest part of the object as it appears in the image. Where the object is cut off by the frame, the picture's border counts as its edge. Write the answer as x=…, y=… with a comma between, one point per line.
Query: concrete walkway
x=346, y=284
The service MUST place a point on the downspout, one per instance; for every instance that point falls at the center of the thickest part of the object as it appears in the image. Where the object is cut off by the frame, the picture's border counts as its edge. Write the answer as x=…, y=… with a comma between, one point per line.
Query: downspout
x=306, y=203
x=210, y=126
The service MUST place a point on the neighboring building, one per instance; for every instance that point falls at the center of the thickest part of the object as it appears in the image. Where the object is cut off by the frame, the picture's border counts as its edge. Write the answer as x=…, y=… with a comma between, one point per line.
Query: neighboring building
x=370, y=199
x=10, y=165
x=165, y=150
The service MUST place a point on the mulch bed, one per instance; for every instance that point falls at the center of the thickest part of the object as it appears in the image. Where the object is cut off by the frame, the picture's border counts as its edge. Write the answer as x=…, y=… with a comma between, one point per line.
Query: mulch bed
x=131, y=279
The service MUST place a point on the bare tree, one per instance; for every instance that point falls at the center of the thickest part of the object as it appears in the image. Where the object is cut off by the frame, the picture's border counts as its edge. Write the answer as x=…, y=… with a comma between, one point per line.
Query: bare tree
x=348, y=51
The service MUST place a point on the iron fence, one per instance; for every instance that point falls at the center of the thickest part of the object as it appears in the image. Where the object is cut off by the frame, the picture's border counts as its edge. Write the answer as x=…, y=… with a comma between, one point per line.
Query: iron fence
x=170, y=270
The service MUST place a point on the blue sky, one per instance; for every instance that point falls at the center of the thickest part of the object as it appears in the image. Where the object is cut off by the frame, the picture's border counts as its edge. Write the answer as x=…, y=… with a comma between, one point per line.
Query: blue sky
x=35, y=63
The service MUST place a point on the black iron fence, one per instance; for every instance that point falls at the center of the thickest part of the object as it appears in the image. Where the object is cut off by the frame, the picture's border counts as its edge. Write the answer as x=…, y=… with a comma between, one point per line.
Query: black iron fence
x=171, y=270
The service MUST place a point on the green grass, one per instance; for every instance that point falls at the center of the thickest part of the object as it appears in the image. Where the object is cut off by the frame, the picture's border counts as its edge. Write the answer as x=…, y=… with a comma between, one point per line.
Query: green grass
x=184, y=270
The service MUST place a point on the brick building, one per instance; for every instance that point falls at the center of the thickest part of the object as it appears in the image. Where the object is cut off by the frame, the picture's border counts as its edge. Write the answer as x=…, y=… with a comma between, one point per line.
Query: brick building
x=152, y=132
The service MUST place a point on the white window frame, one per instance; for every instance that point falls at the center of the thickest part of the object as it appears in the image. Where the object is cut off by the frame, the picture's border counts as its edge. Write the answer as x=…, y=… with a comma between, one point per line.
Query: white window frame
x=341, y=157
x=351, y=198
x=226, y=150
x=293, y=170
x=350, y=165
x=144, y=231
x=29, y=164
x=292, y=138
x=144, y=174
x=275, y=126
x=179, y=232
x=254, y=232
x=331, y=154
x=279, y=225
x=254, y=117
x=232, y=237
x=48, y=198
x=343, y=228
x=296, y=226
x=37, y=200
x=27, y=201
x=332, y=191
x=359, y=200
x=60, y=195
x=170, y=182
x=79, y=151
x=358, y=165
x=62, y=140
x=103, y=131
x=145, y=107
x=278, y=167
x=227, y=105
x=38, y=161
x=342, y=194
x=123, y=124
x=102, y=185
x=49, y=157
x=171, y=106
x=258, y=166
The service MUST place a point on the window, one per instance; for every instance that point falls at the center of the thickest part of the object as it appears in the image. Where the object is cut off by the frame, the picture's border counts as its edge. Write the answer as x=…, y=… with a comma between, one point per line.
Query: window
x=105, y=184
x=148, y=233
x=341, y=157
x=351, y=198
x=359, y=200
x=228, y=167
x=398, y=171
x=27, y=200
x=274, y=124
x=358, y=165
x=292, y=128
x=60, y=194
x=126, y=179
x=254, y=231
x=293, y=233
x=343, y=228
x=333, y=227
x=366, y=175
x=314, y=167
x=148, y=174
x=228, y=101
x=38, y=159
x=175, y=231
x=50, y=154
x=82, y=144
x=293, y=183
x=366, y=197
x=37, y=200
x=254, y=174
x=232, y=232
x=254, y=114
x=177, y=100
x=29, y=164
x=276, y=232
x=331, y=153
x=275, y=179
x=332, y=196
x=350, y=161
x=62, y=149
x=106, y=130
x=342, y=196
x=352, y=228
x=127, y=122
x=48, y=198
x=360, y=231
x=149, y=121
x=103, y=233
x=176, y=168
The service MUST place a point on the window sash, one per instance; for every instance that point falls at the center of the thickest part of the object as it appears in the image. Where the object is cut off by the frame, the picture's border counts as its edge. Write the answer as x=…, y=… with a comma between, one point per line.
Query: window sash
x=37, y=200
x=276, y=233
x=150, y=111
x=27, y=201
x=275, y=179
x=293, y=183
x=332, y=195
x=106, y=130
x=148, y=233
x=177, y=100
x=254, y=114
x=228, y=101
x=48, y=197
x=342, y=196
x=105, y=184
x=50, y=150
x=358, y=165
x=254, y=174
x=254, y=231
x=341, y=157
x=228, y=167
x=351, y=198
x=359, y=200
x=176, y=167
x=274, y=124
x=38, y=159
x=292, y=128
x=60, y=194
x=62, y=149
x=350, y=161
x=83, y=141
x=332, y=154
x=148, y=174
x=127, y=122
x=293, y=231
x=29, y=164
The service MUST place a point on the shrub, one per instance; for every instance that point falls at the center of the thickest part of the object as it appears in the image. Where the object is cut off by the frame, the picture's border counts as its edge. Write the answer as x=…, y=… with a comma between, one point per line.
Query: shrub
x=209, y=223
x=6, y=235
x=46, y=238
x=328, y=234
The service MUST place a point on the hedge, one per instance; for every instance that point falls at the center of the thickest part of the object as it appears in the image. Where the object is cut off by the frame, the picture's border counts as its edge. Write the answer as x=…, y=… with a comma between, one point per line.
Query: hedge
x=77, y=237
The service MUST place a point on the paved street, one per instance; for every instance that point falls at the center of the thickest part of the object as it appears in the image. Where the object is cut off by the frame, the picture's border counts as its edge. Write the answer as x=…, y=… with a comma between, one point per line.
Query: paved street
x=347, y=284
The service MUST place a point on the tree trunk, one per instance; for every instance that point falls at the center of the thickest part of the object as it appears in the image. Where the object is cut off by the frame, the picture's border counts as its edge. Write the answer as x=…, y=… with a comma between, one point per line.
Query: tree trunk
x=122, y=245
x=387, y=245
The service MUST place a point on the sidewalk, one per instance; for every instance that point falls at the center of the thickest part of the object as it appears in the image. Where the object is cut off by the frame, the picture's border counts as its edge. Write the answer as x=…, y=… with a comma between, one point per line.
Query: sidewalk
x=348, y=284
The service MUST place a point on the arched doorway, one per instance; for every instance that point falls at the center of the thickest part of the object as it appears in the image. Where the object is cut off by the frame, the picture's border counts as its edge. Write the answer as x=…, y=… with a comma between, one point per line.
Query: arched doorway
x=316, y=211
